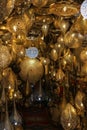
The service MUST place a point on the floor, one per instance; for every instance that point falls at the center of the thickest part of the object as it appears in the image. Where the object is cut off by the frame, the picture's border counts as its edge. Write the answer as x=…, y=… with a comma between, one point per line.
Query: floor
x=37, y=119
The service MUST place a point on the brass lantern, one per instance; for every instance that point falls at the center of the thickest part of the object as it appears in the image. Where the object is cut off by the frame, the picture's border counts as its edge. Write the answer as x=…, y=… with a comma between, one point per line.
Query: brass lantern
x=5, y=56
x=31, y=69
x=73, y=39
x=83, y=54
x=39, y=3
x=79, y=101
x=69, y=119
x=84, y=69
x=6, y=8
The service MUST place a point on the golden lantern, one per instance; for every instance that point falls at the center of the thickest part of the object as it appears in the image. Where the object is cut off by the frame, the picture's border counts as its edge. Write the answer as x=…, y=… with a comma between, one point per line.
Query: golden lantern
x=6, y=9
x=40, y=3
x=5, y=57
x=19, y=23
x=64, y=8
x=79, y=102
x=60, y=75
x=83, y=54
x=18, y=2
x=62, y=24
x=80, y=25
x=84, y=69
x=15, y=118
x=45, y=28
x=31, y=69
x=69, y=118
x=27, y=89
x=68, y=56
x=3, y=97
x=15, y=24
x=45, y=62
x=19, y=37
x=73, y=39
x=7, y=124
x=54, y=54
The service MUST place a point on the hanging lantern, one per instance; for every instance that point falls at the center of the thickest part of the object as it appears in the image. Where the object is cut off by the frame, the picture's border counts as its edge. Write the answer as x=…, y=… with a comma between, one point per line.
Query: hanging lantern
x=69, y=119
x=60, y=39
x=68, y=56
x=45, y=62
x=64, y=8
x=18, y=2
x=16, y=24
x=6, y=8
x=19, y=23
x=39, y=94
x=39, y=3
x=80, y=25
x=15, y=118
x=83, y=54
x=53, y=73
x=54, y=54
x=84, y=69
x=31, y=69
x=60, y=75
x=62, y=24
x=18, y=52
x=79, y=101
x=59, y=46
x=3, y=97
x=45, y=28
x=27, y=89
x=7, y=124
x=64, y=102
x=73, y=39
x=5, y=57
x=19, y=38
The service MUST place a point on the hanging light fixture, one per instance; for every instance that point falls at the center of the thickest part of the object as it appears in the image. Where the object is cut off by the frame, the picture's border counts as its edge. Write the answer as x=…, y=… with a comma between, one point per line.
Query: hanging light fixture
x=69, y=117
x=16, y=119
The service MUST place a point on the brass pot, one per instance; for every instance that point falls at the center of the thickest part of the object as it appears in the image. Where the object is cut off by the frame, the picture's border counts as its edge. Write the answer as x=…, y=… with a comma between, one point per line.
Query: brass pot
x=31, y=69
